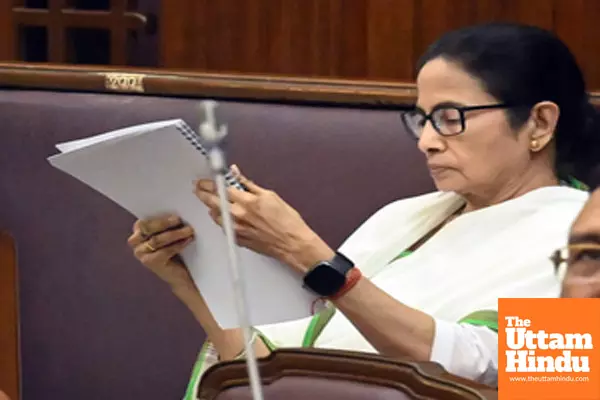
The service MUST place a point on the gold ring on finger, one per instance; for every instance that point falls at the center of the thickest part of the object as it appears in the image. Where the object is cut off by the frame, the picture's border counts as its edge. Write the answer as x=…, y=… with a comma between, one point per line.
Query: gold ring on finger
x=149, y=247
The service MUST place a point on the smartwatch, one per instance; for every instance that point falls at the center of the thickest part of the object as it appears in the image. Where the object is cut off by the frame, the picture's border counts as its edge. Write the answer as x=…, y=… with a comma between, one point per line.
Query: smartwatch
x=328, y=277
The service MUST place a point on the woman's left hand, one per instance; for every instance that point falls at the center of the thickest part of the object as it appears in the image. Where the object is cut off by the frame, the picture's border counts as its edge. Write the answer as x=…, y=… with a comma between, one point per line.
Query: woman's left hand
x=265, y=223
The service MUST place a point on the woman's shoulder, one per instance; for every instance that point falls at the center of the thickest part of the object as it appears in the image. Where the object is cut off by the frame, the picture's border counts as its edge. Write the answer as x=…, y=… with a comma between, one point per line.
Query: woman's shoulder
x=404, y=214
x=554, y=201
x=551, y=196
x=553, y=207
x=418, y=202
x=547, y=198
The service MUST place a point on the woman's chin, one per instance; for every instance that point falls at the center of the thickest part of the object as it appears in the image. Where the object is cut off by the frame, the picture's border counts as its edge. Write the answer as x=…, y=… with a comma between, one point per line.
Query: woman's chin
x=444, y=184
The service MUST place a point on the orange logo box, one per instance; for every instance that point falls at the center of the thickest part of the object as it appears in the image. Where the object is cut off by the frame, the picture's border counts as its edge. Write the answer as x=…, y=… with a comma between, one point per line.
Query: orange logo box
x=549, y=349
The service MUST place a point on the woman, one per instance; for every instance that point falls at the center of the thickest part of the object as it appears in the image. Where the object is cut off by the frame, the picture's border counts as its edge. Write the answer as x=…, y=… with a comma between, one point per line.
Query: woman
x=503, y=120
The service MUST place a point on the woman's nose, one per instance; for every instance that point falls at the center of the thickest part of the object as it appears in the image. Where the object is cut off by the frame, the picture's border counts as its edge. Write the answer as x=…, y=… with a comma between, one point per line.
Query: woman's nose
x=430, y=140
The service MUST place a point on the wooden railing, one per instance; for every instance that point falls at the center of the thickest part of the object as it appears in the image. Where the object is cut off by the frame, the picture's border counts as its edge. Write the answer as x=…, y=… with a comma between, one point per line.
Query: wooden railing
x=188, y=84
x=72, y=31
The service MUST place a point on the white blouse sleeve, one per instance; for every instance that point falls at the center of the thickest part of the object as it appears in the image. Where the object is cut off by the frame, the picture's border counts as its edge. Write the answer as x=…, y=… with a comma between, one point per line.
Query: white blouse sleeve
x=466, y=350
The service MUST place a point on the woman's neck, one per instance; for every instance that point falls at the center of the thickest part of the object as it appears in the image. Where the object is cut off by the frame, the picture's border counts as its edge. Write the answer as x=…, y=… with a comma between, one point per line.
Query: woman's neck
x=512, y=189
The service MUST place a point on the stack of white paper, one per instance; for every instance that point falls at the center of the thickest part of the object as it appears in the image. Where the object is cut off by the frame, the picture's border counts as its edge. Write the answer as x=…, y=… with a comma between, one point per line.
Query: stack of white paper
x=149, y=170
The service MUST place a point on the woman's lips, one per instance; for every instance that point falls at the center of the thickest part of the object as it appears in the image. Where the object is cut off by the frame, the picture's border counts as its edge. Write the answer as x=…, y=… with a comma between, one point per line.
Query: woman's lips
x=436, y=170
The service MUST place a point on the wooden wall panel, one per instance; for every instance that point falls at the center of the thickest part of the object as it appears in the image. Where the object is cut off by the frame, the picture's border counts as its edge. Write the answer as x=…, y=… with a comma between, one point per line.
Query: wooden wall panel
x=578, y=23
x=535, y=12
x=7, y=40
x=434, y=17
x=9, y=328
x=390, y=38
x=299, y=37
x=374, y=39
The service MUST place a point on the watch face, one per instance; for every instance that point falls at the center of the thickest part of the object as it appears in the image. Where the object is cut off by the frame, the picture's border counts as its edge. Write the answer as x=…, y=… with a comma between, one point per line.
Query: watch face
x=324, y=280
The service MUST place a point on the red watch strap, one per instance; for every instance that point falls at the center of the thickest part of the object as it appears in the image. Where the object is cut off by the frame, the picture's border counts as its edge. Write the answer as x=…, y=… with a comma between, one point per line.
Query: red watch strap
x=352, y=278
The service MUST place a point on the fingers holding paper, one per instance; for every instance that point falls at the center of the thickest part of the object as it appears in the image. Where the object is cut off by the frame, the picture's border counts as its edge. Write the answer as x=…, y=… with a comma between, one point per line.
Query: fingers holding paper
x=265, y=223
x=157, y=242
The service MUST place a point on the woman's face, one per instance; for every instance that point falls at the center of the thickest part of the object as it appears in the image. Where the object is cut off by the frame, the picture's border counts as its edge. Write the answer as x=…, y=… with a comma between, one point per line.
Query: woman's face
x=488, y=155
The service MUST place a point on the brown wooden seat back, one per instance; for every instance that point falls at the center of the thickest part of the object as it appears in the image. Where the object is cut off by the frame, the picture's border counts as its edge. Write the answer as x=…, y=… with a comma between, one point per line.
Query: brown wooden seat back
x=292, y=374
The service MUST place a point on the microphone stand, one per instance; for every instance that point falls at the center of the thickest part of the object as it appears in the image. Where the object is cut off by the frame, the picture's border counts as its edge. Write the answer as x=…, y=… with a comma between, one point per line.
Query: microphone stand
x=213, y=137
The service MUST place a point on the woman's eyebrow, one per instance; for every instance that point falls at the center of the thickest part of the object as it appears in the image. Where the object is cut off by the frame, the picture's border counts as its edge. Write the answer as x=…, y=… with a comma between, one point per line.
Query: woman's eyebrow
x=584, y=237
x=442, y=105
x=448, y=104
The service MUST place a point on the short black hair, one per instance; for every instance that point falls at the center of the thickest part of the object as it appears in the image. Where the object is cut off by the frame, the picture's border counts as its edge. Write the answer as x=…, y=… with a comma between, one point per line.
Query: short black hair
x=523, y=65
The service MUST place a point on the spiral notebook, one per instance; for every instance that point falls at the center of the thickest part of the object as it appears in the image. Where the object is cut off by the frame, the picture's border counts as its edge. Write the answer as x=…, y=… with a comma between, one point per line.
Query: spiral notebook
x=148, y=170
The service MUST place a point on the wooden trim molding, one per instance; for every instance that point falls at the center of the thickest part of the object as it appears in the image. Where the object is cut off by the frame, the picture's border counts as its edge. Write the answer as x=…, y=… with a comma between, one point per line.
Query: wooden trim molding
x=176, y=83
x=78, y=18
x=9, y=321
x=191, y=84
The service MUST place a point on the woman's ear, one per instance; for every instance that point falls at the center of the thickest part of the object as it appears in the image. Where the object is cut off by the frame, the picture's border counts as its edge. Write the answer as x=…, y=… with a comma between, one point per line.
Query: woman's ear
x=542, y=120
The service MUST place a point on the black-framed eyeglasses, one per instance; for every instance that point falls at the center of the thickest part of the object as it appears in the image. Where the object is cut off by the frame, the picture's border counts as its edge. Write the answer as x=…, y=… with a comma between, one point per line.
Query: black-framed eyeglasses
x=446, y=119
x=569, y=255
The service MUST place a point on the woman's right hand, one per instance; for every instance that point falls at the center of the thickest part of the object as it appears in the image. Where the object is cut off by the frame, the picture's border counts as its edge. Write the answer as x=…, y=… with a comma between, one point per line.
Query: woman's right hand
x=157, y=242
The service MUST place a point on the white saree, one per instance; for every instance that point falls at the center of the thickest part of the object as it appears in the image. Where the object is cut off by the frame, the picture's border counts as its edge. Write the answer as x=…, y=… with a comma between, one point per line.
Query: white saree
x=499, y=251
